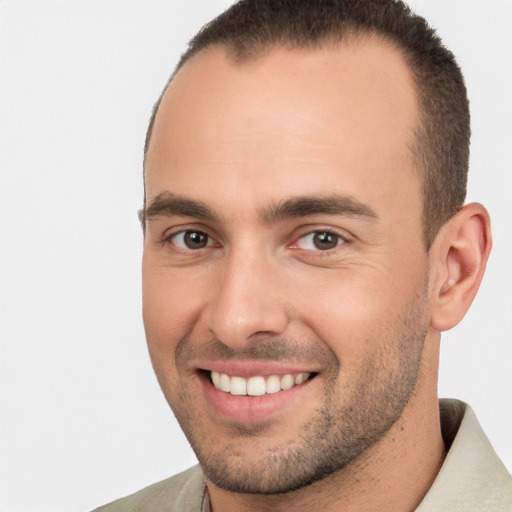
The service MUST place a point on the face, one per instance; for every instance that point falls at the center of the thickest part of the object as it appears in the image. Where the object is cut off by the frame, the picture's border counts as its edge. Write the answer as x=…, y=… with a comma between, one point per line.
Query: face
x=284, y=273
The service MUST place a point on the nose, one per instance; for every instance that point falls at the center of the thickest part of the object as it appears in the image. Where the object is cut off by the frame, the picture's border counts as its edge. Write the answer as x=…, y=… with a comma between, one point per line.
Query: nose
x=247, y=300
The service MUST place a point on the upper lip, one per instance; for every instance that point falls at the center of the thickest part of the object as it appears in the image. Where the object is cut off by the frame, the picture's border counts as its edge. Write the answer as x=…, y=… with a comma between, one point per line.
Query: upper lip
x=249, y=369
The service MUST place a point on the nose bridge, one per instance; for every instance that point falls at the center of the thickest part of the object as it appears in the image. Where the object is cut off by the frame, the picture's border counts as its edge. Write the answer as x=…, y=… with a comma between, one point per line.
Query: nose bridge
x=244, y=301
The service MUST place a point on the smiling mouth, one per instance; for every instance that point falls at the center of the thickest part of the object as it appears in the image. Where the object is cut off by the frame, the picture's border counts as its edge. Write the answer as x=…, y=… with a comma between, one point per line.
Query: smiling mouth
x=257, y=385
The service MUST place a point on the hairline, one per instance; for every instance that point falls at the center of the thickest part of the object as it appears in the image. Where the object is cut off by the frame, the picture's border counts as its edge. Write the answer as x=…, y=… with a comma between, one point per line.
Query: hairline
x=353, y=35
x=241, y=56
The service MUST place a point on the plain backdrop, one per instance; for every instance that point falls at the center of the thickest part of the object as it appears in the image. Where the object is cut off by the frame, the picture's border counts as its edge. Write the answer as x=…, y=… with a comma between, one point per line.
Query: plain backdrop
x=82, y=418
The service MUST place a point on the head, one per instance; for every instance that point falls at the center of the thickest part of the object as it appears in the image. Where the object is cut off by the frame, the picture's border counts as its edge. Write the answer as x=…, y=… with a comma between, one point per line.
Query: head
x=296, y=274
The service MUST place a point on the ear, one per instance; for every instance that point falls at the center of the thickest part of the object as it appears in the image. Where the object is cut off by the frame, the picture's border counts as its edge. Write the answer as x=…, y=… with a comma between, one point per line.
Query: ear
x=459, y=256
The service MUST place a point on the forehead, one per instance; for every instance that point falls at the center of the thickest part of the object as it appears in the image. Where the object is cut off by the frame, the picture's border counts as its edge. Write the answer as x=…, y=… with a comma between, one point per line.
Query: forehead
x=341, y=116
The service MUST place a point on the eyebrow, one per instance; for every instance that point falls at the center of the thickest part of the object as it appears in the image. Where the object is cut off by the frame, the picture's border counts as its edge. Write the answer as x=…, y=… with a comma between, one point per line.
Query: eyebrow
x=168, y=204
x=317, y=205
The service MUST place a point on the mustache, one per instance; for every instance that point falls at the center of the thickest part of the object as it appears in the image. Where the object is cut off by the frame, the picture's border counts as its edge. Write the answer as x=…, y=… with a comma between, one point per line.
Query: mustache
x=262, y=347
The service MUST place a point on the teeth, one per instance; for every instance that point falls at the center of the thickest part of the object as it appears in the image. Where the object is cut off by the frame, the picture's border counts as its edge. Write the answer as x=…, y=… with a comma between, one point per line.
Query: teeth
x=238, y=386
x=300, y=378
x=287, y=381
x=273, y=384
x=256, y=386
x=225, y=383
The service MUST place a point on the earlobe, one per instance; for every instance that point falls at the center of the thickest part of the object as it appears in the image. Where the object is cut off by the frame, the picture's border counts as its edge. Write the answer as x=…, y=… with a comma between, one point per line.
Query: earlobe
x=460, y=254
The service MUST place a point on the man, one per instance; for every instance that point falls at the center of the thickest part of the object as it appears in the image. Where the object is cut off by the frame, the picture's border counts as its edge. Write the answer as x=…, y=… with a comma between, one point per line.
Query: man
x=306, y=242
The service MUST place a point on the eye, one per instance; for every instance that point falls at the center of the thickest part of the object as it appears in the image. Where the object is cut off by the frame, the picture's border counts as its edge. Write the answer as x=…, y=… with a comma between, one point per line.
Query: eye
x=319, y=241
x=191, y=240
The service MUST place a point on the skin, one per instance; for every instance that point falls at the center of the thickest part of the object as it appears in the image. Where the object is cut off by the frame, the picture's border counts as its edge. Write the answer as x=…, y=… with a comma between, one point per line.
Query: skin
x=241, y=141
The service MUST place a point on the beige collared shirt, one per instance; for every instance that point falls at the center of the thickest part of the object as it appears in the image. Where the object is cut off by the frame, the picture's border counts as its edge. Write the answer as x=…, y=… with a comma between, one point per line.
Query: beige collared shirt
x=472, y=477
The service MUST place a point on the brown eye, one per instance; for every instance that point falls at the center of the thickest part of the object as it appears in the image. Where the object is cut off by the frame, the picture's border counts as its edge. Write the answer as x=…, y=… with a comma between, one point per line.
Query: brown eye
x=195, y=240
x=191, y=240
x=324, y=241
x=320, y=241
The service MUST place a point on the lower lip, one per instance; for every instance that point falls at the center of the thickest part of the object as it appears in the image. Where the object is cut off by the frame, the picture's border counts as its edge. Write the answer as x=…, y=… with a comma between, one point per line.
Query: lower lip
x=252, y=409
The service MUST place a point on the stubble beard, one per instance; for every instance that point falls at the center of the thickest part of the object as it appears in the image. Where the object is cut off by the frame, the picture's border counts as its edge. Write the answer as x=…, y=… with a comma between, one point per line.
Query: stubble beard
x=348, y=423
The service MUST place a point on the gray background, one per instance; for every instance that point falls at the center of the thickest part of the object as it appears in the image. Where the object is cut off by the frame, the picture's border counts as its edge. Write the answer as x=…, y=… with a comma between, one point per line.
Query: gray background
x=82, y=418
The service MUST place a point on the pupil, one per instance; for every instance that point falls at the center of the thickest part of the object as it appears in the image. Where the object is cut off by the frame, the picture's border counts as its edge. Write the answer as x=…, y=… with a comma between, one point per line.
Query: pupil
x=195, y=240
x=325, y=241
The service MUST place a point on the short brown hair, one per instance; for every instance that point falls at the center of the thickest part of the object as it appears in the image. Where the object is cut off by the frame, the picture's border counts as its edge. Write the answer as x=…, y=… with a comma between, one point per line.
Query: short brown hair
x=249, y=28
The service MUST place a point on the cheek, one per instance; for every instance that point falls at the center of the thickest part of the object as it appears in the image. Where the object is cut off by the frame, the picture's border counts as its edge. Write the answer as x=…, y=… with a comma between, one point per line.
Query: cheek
x=353, y=314
x=171, y=304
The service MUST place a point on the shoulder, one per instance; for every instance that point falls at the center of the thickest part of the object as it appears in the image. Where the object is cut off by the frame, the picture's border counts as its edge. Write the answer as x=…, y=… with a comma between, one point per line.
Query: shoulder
x=181, y=493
